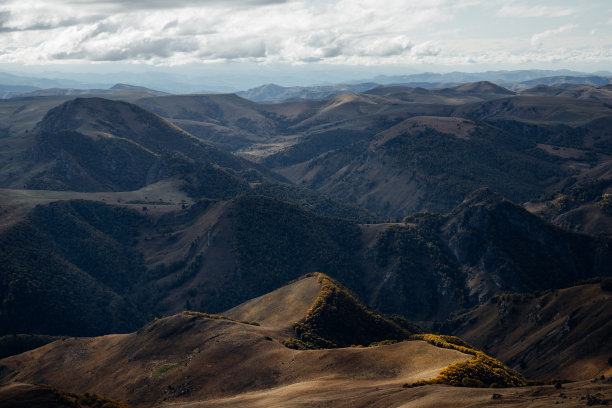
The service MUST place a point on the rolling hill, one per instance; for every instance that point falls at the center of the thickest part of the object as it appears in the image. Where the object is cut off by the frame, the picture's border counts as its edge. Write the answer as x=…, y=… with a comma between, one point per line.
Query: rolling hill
x=86, y=268
x=192, y=356
x=414, y=149
x=228, y=121
x=422, y=163
x=135, y=259
x=599, y=93
x=582, y=204
x=100, y=145
x=148, y=207
x=522, y=145
x=96, y=145
x=194, y=359
x=558, y=333
x=271, y=93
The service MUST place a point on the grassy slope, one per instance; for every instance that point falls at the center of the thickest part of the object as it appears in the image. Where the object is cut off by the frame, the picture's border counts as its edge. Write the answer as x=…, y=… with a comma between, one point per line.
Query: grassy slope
x=561, y=333
x=185, y=358
x=432, y=169
x=337, y=318
x=193, y=356
x=19, y=395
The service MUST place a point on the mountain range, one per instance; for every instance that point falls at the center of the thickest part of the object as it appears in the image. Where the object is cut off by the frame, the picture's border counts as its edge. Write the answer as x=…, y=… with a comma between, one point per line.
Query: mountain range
x=218, y=251
x=16, y=84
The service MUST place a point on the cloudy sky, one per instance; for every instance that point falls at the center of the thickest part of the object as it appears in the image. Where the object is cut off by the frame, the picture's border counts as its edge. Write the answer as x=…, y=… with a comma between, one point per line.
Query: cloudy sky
x=445, y=34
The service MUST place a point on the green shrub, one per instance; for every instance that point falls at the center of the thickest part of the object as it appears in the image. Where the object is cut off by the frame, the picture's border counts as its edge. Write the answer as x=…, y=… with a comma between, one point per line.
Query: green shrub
x=164, y=369
x=606, y=203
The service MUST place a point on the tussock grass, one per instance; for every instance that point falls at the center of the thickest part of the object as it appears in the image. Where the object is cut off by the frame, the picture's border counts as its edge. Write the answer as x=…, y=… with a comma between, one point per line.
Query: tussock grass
x=164, y=369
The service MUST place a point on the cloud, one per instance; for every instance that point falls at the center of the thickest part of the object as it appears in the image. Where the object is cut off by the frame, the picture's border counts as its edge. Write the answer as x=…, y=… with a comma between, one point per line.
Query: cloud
x=536, y=39
x=5, y=16
x=232, y=49
x=39, y=23
x=426, y=49
x=133, y=5
x=378, y=47
x=144, y=49
x=275, y=30
x=37, y=16
x=517, y=10
x=356, y=32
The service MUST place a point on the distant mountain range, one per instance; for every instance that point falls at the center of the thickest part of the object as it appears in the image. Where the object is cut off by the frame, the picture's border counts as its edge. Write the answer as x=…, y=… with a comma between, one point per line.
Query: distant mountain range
x=493, y=76
x=14, y=85
x=271, y=93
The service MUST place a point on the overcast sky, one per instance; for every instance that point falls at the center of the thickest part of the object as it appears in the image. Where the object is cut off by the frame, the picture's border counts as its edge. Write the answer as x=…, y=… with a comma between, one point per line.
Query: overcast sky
x=449, y=35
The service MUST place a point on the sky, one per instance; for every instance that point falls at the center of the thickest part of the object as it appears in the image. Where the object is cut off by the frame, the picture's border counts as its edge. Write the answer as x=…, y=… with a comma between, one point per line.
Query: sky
x=284, y=36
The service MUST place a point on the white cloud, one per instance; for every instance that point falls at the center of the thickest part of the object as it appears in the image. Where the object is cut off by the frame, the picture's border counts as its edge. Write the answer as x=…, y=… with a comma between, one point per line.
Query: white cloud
x=426, y=49
x=357, y=32
x=536, y=39
x=518, y=10
x=275, y=30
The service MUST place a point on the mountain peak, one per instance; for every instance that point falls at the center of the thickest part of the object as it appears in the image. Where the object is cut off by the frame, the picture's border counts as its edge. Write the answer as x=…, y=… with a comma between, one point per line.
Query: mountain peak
x=92, y=115
x=483, y=87
x=482, y=196
x=338, y=318
x=128, y=87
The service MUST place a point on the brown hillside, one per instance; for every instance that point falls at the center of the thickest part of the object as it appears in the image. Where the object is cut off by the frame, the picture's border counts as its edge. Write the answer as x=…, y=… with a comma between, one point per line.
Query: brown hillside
x=457, y=95
x=597, y=93
x=281, y=308
x=197, y=360
x=351, y=394
x=484, y=88
x=458, y=127
x=189, y=358
x=537, y=109
x=226, y=120
x=581, y=206
x=20, y=395
x=563, y=333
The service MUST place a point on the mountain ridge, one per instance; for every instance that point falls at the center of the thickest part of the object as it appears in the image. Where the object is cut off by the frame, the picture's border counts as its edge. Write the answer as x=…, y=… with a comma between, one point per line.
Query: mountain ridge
x=176, y=348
